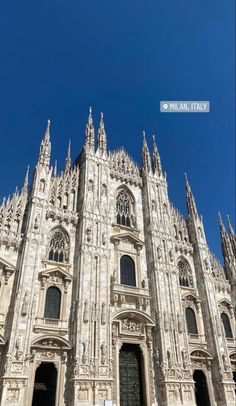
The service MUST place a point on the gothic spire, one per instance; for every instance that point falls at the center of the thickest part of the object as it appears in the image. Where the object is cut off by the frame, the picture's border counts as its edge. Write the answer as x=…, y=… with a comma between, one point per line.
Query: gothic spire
x=225, y=241
x=26, y=182
x=232, y=236
x=68, y=159
x=45, y=148
x=89, y=131
x=102, y=138
x=191, y=205
x=55, y=169
x=156, y=160
x=146, y=160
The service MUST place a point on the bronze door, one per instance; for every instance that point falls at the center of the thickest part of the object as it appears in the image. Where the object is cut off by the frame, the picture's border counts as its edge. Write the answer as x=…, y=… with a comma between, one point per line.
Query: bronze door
x=131, y=389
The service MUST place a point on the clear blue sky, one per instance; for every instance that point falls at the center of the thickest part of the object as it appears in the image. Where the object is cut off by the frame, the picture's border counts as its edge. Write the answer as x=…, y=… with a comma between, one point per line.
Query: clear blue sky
x=123, y=57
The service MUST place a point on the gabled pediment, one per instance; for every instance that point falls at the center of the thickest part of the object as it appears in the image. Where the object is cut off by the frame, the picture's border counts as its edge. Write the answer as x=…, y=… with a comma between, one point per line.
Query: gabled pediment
x=57, y=271
x=127, y=238
x=7, y=264
x=191, y=296
x=51, y=342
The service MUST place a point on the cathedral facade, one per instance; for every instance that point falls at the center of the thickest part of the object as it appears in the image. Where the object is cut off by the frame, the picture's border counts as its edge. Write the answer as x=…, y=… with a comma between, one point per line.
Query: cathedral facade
x=108, y=295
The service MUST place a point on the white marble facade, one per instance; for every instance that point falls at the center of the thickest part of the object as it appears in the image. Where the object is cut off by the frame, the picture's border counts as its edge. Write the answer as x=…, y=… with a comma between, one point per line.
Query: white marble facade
x=70, y=231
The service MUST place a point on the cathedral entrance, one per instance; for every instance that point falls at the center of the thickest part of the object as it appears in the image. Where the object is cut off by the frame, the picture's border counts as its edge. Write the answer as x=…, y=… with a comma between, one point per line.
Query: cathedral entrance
x=201, y=391
x=45, y=385
x=131, y=376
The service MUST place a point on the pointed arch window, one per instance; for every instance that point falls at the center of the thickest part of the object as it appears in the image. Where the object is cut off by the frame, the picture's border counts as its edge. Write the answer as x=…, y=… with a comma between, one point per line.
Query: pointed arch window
x=124, y=209
x=52, y=303
x=191, y=321
x=127, y=271
x=185, y=274
x=227, y=326
x=59, y=247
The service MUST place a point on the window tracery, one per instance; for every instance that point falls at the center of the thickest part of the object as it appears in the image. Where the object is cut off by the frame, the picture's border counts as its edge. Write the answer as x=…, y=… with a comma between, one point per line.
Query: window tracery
x=52, y=303
x=185, y=274
x=124, y=209
x=59, y=247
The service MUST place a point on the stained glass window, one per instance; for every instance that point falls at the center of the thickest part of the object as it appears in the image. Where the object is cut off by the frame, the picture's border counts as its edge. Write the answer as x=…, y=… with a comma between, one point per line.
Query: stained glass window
x=59, y=247
x=124, y=209
x=185, y=274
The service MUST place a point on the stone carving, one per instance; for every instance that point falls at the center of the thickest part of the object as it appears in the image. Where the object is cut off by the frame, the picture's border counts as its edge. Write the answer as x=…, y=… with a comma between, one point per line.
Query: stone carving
x=19, y=346
x=89, y=234
x=86, y=312
x=13, y=394
x=166, y=321
x=171, y=256
x=180, y=323
x=104, y=238
x=90, y=185
x=123, y=167
x=84, y=351
x=103, y=313
x=159, y=252
x=36, y=222
x=131, y=326
x=103, y=353
x=25, y=304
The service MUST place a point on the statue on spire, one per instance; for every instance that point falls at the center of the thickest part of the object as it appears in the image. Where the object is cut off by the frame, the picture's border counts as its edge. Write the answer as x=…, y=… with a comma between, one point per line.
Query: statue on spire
x=26, y=182
x=102, y=138
x=146, y=160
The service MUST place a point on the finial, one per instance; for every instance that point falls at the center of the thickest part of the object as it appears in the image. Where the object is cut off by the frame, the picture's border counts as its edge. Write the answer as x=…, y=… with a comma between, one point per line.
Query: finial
x=154, y=138
x=25, y=187
x=49, y=123
x=144, y=135
x=101, y=117
x=90, y=110
x=55, y=168
x=220, y=218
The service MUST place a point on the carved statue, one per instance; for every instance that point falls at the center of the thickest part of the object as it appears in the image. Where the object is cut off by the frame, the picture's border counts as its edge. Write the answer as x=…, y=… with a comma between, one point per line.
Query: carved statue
x=104, y=238
x=89, y=234
x=25, y=304
x=103, y=352
x=86, y=312
x=103, y=313
x=19, y=346
x=85, y=351
x=159, y=252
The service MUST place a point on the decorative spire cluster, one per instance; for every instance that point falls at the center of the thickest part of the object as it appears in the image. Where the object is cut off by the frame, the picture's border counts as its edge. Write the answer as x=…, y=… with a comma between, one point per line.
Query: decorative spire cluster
x=152, y=166
x=228, y=242
x=45, y=148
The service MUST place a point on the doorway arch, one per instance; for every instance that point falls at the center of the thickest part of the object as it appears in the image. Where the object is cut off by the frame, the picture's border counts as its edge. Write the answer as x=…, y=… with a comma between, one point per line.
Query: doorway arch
x=132, y=387
x=201, y=390
x=45, y=385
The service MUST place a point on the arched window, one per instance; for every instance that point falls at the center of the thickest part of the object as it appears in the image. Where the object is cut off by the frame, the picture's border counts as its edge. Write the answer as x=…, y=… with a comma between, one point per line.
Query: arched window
x=191, y=321
x=227, y=327
x=124, y=209
x=52, y=303
x=59, y=247
x=127, y=271
x=185, y=274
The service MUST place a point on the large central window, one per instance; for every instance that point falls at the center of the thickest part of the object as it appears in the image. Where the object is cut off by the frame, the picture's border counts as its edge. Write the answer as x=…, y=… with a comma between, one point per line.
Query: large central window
x=127, y=271
x=124, y=209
